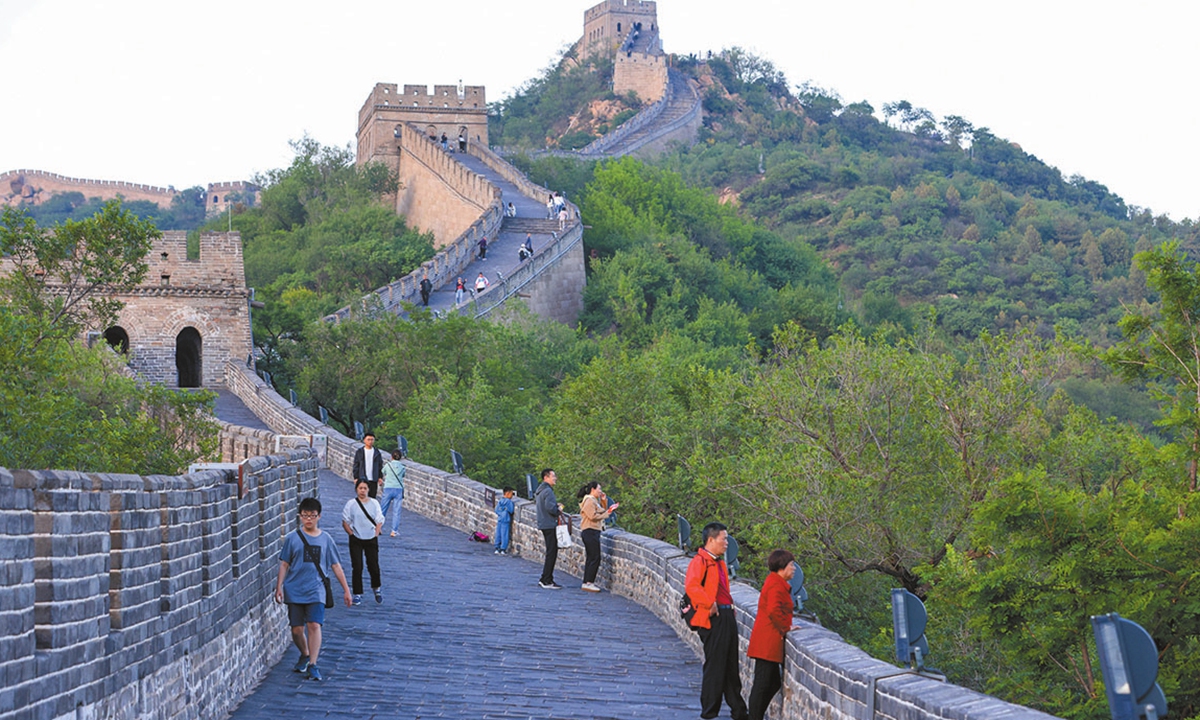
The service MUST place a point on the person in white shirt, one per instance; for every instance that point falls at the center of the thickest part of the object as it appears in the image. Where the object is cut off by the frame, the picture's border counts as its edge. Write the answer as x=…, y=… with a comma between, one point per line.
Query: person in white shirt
x=481, y=283
x=363, y=521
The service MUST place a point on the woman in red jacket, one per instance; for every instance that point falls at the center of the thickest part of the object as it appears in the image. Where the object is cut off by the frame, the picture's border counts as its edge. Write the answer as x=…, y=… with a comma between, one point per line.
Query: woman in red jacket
x=773, y=621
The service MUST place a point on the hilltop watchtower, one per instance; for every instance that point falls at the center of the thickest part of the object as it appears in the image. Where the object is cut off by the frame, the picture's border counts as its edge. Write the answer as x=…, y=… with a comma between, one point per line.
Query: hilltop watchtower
x=607, y=25
x=449, y=109
x=627, y=31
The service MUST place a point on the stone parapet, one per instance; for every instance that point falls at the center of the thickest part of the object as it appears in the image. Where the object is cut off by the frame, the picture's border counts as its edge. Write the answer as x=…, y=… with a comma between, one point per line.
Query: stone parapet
x=824, y=677
x=135, y=597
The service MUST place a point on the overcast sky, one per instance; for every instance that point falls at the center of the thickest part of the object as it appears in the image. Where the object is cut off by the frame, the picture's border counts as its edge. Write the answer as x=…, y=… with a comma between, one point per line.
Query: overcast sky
x=168, y=93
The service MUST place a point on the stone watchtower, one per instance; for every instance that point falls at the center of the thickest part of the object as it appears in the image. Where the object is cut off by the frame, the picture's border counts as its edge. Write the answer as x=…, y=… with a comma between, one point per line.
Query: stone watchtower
x=627, y=31
x=188, y=317
x=449, y=109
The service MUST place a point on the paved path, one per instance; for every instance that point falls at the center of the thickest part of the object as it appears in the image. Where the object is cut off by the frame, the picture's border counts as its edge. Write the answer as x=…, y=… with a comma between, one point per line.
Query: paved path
x=231, y=409
x=463, y=633
x=502, y=250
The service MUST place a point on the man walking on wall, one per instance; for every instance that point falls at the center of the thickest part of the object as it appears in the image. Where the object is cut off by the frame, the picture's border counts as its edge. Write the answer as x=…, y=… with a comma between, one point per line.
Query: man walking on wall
x=707, y=585
x=307, y=558
x=368, y=465
x=548, y=509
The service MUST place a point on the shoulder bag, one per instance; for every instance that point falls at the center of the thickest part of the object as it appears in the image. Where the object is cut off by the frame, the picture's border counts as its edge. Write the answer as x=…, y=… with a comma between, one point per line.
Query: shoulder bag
x=324, y=579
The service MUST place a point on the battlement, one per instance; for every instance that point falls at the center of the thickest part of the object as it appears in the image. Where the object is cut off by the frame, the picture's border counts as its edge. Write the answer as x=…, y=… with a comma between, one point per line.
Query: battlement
x=647, y=8
x=26, y=176
x=218, y=268
x=445, y=98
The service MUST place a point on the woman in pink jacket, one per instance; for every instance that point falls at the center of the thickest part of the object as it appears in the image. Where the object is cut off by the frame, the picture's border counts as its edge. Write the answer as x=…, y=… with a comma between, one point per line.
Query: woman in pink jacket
x=771, y=624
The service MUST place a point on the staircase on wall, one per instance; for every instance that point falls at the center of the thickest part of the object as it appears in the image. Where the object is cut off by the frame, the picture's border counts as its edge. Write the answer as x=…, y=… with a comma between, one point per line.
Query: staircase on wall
x=680, y=106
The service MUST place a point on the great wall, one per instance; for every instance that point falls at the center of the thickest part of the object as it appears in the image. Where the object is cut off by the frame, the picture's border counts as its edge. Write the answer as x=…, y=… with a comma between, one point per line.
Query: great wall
x=132, y=597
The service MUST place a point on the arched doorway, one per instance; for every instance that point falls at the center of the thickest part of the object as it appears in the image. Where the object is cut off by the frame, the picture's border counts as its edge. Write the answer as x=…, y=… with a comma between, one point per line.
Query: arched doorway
x=117, y=339
x=189, y=358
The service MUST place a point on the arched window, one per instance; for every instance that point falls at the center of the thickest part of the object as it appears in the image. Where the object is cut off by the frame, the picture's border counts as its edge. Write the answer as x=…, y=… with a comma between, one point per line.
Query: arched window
x=216, y=199
x=189, y=358
x=118, y=339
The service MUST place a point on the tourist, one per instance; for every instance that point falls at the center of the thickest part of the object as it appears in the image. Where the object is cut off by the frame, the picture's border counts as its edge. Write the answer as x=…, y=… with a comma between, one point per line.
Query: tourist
x=548, y=510
x=529, y=244
x=460, y=288
x=393, y=488
x=305, y=561
x=481, y=283
x=368, y=464
x=483, y=243
x=426, y=288
x=512, y=210
x=363, y=521
x=771, y=624
x=505, y=509
x=562, y=217
x=462, y=142
x=445, y=142
x=593, y=511
x=707, y=586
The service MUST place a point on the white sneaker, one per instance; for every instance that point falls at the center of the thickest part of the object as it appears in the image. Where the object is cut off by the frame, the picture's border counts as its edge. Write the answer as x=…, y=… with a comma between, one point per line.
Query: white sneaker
x=591, y=587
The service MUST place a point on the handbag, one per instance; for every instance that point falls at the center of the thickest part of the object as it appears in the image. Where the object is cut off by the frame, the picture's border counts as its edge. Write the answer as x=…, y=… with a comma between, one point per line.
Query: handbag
x=563, y=531
x=324, y=579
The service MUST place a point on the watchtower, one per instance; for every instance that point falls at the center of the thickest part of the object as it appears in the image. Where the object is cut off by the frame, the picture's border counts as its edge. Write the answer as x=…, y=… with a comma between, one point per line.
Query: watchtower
x=607, y=25
x=451, y=110
x=180, y=326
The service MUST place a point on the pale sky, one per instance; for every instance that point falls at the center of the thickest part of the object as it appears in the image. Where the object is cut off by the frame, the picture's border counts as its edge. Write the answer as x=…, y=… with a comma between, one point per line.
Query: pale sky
x=167, y=93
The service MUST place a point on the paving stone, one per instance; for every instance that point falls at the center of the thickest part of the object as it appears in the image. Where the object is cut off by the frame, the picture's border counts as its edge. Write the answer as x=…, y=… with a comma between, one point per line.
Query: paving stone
x=463, y=633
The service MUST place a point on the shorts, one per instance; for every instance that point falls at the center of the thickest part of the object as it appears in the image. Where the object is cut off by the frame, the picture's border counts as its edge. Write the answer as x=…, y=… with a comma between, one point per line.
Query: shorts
x=300, y=615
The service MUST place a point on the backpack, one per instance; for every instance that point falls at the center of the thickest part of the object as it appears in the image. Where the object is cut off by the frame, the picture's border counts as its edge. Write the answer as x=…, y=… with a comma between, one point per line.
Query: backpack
x=687, y=609
x=479, y=537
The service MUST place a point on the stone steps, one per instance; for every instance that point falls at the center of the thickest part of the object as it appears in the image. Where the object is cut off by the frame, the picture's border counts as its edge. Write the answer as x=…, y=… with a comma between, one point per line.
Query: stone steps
x=535, y=226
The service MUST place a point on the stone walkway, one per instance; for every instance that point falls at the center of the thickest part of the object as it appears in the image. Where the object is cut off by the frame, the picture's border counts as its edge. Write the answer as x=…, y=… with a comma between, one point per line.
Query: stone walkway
x=502, y=255
x=463, y=633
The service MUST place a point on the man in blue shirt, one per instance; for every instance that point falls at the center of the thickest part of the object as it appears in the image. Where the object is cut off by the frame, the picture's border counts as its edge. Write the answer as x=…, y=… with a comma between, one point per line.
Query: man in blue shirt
x=307, y=557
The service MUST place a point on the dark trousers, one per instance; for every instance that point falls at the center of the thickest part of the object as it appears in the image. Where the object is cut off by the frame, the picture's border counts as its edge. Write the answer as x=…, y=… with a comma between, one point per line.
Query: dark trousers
x=372, y=488
x=721, y=668
x=768, y=679
x=551, y=556
x=591, y=545
x=370, y=548
x=425, y=298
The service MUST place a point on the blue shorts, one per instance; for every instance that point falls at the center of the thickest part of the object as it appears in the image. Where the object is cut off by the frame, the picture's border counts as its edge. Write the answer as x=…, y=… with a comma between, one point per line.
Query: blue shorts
x=300, y=615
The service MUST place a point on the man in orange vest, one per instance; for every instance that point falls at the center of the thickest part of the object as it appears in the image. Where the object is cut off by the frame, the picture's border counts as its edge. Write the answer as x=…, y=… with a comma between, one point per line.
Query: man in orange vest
x=707, y=585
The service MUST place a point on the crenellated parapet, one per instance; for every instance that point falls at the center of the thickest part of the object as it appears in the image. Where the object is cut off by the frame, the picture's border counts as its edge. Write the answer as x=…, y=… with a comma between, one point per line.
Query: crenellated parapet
x=127, y=596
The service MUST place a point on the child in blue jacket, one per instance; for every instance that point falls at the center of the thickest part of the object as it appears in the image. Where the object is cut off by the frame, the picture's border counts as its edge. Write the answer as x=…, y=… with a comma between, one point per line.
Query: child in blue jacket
x=504, y=515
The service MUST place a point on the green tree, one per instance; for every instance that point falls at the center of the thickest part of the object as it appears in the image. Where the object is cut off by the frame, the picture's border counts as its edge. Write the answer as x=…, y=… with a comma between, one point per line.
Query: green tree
x=65, y=277
x=64, y=406
x=1161, y=345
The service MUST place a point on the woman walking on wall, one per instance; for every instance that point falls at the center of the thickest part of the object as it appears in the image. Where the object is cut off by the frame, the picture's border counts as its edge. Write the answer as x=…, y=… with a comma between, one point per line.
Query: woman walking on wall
x=594, y=510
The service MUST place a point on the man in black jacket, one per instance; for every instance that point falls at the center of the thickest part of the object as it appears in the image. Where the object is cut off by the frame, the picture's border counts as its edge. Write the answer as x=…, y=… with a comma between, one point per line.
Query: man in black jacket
x=368, y=465
x=548, y=509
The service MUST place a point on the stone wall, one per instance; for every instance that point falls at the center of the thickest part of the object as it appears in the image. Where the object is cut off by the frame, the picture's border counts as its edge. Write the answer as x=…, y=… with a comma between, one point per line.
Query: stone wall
x=824, y=677
x=36, y=186
x=128, y=597
x=556, y=292
x=644, y=74
x=436, y=193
